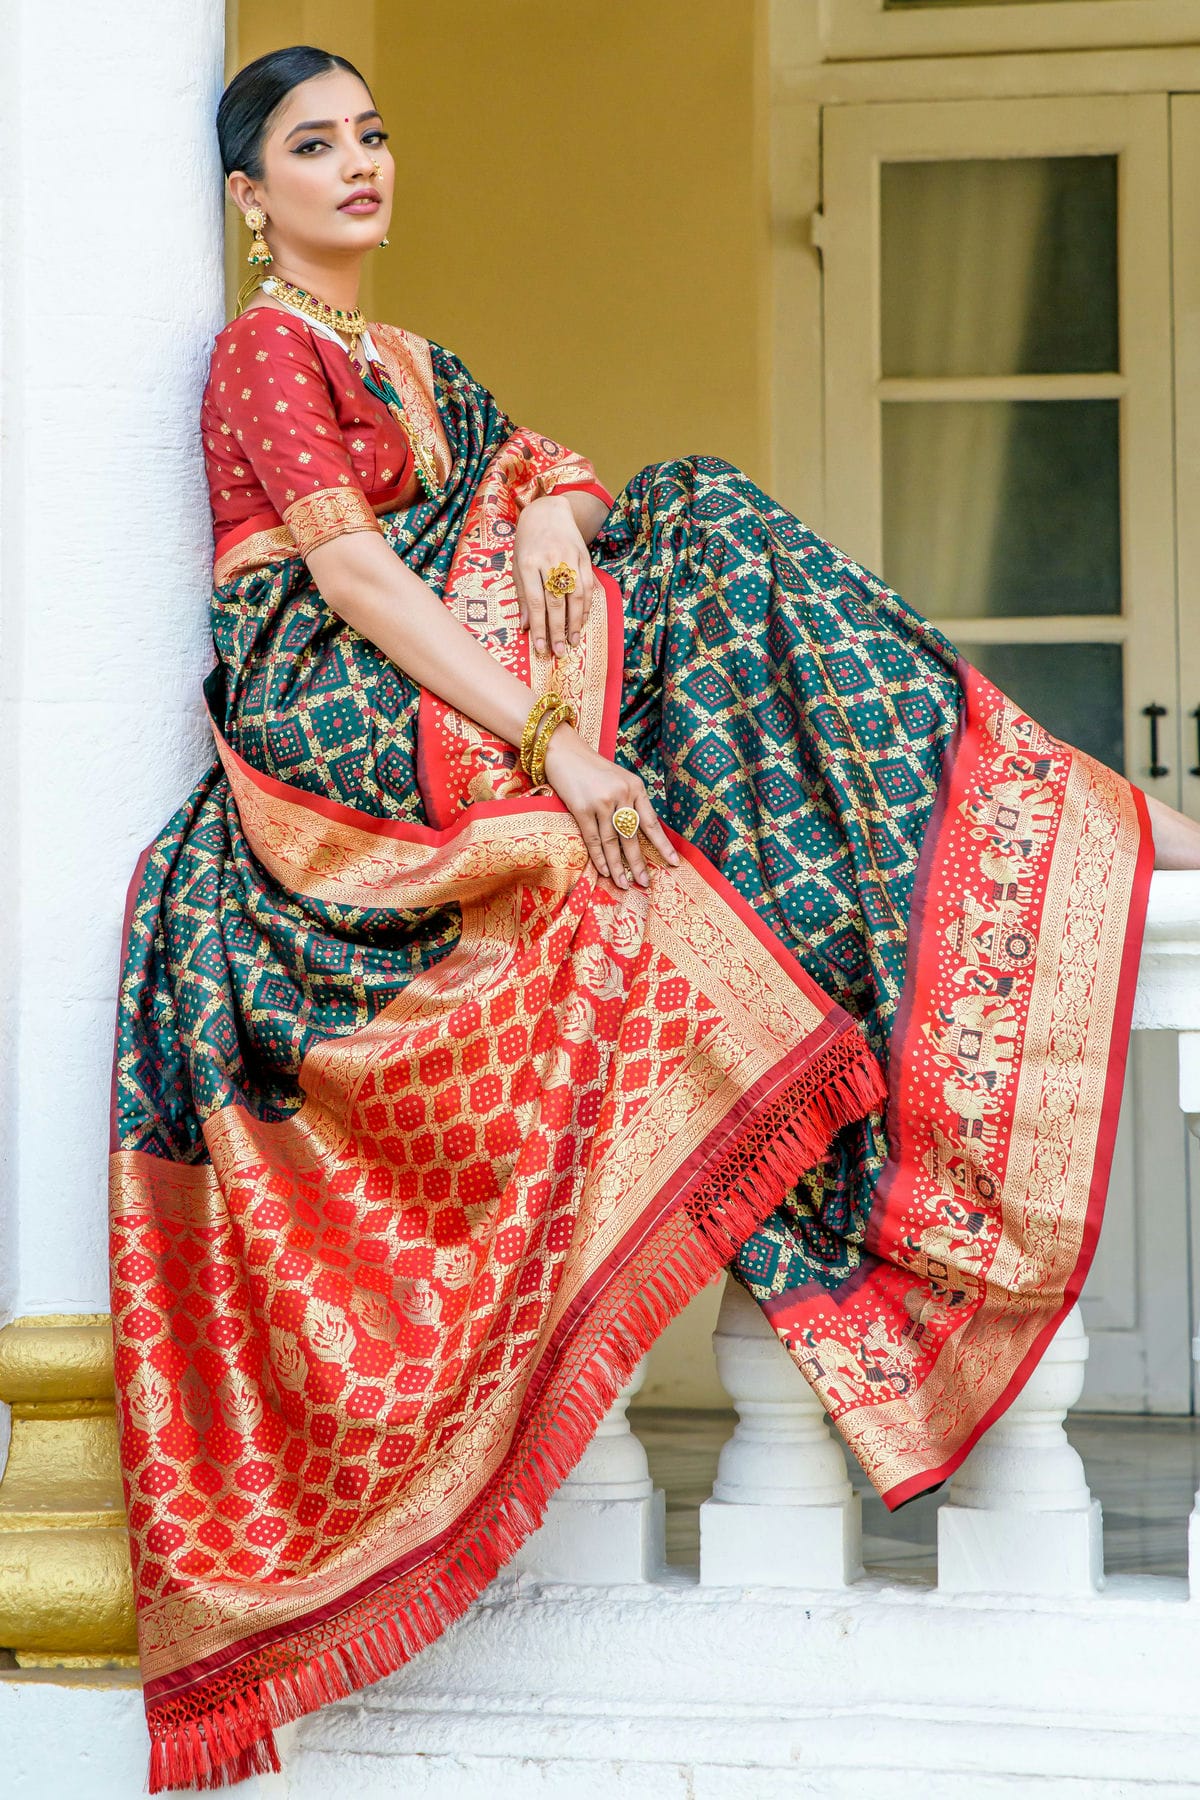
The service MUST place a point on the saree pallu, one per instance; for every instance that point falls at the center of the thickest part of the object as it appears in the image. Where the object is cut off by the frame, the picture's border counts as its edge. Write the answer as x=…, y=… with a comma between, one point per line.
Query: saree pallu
x=421, y=1133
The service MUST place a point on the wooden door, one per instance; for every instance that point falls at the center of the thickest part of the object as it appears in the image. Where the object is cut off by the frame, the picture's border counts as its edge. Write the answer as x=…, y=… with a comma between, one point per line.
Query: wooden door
x=999, y=369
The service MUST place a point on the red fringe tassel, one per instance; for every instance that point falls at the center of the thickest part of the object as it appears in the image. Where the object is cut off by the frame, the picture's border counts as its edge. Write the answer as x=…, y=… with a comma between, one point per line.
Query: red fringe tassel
x=235, y=1739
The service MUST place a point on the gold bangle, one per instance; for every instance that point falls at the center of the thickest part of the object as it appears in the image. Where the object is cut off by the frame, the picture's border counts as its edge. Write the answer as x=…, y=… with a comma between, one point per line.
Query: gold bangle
x=537, y=756
x=549, y=725
x=537, y=712
x=564, y=712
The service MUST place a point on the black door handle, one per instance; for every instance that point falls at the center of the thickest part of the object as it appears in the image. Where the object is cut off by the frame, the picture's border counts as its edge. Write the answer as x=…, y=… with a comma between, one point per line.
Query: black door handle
x=1154, y=714
x=1195, y=769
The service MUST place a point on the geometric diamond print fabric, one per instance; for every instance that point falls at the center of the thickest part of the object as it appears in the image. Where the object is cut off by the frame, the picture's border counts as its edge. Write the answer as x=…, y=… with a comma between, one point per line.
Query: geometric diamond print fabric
x=790, y=716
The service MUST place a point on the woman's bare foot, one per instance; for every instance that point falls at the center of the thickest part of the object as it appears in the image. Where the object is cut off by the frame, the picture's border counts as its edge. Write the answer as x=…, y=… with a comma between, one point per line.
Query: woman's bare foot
x=1176, y=838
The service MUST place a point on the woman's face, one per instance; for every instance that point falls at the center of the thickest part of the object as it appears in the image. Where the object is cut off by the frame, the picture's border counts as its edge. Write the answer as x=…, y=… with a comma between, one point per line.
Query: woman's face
x=320, y=147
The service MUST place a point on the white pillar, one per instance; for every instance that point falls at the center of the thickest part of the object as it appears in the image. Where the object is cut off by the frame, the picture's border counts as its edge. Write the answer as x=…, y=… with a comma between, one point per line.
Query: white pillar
x=782, y=1511
x=1189, y=1076
x=607, y=1521
x=111, y=216
x=1020, y=1517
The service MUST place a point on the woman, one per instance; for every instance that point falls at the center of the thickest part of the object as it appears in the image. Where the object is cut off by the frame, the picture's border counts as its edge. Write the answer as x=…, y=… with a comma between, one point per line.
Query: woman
x=569, y=872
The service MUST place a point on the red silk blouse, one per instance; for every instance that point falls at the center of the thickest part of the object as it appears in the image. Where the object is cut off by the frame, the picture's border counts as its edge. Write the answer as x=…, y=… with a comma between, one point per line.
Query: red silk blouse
x=293, y=439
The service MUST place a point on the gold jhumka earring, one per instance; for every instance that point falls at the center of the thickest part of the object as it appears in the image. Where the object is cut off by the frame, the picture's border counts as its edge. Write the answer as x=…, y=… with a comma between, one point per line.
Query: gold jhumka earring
x=259, y=252
x=258, y=255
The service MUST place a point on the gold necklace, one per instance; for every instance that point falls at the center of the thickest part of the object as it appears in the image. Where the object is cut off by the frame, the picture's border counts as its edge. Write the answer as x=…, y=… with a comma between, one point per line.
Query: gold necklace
x=350, y=323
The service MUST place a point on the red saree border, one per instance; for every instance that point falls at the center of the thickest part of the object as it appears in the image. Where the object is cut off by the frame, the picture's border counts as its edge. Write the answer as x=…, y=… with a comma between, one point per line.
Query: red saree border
x=583, y=487
x=1097, y=1194
x=1007, y=1059
x=459, y=764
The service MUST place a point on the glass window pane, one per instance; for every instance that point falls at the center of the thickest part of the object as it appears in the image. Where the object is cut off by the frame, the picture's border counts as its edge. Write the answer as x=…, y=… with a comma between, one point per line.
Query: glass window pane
x=1000, y=266
x=1002, y=509
x=1077, y=691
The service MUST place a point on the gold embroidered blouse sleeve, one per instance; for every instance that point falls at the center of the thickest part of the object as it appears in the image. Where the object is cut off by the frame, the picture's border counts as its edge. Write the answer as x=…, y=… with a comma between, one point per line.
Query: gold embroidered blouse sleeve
x=329, y=512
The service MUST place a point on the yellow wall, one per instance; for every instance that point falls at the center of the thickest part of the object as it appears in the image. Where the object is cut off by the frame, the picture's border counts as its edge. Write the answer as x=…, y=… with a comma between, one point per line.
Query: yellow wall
x=582, y=209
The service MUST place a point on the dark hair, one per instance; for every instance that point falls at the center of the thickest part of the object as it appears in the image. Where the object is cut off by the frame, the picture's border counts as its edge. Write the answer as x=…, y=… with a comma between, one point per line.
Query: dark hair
x=254, y=93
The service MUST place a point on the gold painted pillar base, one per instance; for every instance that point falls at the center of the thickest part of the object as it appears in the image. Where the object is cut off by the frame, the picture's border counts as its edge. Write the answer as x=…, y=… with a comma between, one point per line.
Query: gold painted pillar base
x=66, y=1595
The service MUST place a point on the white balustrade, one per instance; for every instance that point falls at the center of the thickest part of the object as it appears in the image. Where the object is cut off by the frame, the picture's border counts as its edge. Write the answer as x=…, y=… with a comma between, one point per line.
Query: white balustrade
x=1168, y=985
x=1168, y=999
x=783, y=1511
x=1189, y=1101
x=1020, y=1517
x=607, y=1522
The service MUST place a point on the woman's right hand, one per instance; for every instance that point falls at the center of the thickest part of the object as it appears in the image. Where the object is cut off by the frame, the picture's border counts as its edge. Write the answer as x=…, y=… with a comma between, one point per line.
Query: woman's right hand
x=592, y=788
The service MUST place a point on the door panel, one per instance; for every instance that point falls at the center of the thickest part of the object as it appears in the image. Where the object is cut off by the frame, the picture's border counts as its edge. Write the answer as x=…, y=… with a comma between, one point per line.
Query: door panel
x=1033, y=525
x=1135, y=1301
x=983, y=260
x=892, y=28
x=999, y=446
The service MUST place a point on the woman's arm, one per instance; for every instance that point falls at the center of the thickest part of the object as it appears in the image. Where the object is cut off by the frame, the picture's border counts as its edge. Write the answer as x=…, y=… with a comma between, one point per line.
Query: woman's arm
x=360, y=576
x=589, y=510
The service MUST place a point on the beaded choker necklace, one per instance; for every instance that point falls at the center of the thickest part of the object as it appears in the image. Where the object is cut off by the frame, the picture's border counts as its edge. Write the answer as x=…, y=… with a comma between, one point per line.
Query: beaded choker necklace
x=351, y=324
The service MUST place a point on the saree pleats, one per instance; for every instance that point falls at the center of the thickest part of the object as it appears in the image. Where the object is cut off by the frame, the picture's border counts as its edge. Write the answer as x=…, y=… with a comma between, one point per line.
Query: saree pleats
x=422, y=1133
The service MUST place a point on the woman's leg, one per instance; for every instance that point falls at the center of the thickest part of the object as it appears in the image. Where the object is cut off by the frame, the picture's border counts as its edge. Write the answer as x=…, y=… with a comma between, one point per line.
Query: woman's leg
x=1176, y=838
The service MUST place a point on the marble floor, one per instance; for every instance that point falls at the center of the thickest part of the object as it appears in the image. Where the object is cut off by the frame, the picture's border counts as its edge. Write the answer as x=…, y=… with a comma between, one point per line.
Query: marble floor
x=1144, y=1471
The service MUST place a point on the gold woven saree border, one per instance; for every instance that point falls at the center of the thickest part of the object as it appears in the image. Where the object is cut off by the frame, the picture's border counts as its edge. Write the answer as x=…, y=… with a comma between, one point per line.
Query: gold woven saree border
x=1048, y=1201
x=408, y=362
x=461, y=764
x=327, y=513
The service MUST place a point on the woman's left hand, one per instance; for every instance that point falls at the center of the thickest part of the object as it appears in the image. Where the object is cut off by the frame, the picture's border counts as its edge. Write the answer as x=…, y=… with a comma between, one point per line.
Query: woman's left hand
x=547, y=534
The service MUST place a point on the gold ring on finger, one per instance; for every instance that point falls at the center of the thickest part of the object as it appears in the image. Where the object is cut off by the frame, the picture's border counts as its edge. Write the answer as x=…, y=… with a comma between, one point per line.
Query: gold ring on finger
x=626, y=822
x=560, y=581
